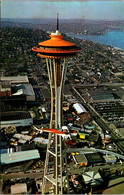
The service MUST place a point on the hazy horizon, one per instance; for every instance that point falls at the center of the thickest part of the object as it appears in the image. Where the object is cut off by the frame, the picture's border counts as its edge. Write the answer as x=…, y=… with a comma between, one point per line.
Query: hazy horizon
x=62, y=19
x=87, y=10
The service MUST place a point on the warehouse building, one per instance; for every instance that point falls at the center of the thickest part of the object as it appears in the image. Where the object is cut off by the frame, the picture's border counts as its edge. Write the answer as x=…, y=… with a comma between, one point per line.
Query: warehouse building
x=84, y=158
x=14, y=80
x=18, y=161
x=15, y=96
x=16, y=119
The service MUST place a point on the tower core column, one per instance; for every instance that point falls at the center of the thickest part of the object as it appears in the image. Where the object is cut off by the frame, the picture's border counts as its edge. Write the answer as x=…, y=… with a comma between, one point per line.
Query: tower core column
x=56, y=51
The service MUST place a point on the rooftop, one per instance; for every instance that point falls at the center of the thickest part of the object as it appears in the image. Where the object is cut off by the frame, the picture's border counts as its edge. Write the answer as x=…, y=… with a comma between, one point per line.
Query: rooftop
x=8, y=116
x=80, y=158
x=15, y=79
x=15, y=157
x=93, y=157
x=92, y=178
x=79, y=108
x=23, y=90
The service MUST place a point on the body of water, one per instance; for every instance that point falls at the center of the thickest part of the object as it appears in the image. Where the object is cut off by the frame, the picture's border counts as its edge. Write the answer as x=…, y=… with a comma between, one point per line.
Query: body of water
x=113, y=38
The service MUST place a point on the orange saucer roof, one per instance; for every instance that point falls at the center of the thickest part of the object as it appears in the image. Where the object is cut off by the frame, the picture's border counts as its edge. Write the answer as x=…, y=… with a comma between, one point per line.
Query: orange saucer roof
x=57, y=41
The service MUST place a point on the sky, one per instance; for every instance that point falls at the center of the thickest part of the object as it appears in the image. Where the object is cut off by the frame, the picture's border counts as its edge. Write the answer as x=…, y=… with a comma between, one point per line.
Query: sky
x=96, y=10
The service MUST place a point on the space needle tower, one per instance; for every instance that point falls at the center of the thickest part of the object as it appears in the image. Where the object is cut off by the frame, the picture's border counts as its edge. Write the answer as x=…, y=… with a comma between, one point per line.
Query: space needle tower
x=56, y=50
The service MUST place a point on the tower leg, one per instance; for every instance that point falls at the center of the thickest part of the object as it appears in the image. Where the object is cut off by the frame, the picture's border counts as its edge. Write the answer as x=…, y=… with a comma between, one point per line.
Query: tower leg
x=46, y=164
x=54, y=151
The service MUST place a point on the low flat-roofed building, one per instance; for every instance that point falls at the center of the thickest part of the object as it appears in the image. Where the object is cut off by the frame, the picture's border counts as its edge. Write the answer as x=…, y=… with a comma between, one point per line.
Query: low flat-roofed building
x=19, y=188
x=40, y=140
x=27, y=137
x=80, y=159
x=24, y=90
x=16, y=157
x=16, y=96
x=21, y=136
x=17, y=135
x=109, y=158
x=93, y=157
x=22, y=141
x=15, y=119
x=79, y=108
x=15, y=79
x=99, y=94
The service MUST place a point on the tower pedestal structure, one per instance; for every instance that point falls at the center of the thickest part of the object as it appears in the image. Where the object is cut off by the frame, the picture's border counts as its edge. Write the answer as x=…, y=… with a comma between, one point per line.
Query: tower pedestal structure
x=56, y=51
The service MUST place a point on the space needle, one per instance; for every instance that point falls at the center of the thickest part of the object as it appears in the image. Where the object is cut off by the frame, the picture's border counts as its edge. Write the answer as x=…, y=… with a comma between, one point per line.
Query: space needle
x=56, y=50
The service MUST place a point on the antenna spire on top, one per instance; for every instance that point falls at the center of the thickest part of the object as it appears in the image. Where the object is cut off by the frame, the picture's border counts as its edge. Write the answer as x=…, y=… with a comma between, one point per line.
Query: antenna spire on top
x=57, y=21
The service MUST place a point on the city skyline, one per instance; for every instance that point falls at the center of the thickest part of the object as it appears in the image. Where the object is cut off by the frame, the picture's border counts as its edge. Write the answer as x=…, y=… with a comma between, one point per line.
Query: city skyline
x=95, y=10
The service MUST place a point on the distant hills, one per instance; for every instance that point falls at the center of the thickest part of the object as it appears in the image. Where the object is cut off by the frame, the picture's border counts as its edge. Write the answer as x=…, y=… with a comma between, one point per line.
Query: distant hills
x=69, y=26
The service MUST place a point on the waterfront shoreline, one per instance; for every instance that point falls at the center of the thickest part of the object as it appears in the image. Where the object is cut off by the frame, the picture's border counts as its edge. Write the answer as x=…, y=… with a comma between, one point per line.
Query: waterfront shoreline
x=111, y=38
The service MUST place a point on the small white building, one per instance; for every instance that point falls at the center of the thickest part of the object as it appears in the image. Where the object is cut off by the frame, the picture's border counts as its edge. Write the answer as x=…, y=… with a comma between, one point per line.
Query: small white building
x=40, y=140
x=79, y=108
x=23, y=137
